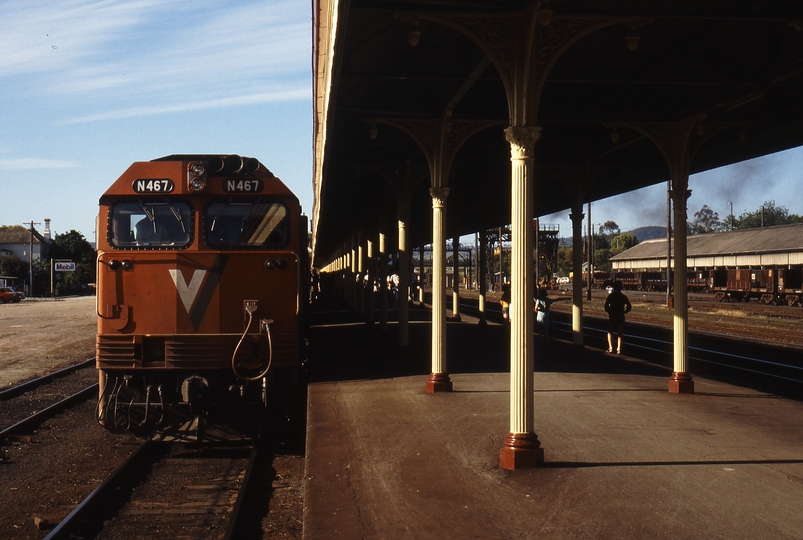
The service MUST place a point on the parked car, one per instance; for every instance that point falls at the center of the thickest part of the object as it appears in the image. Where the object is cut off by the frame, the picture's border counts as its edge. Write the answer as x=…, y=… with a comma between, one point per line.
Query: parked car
x=7, y=294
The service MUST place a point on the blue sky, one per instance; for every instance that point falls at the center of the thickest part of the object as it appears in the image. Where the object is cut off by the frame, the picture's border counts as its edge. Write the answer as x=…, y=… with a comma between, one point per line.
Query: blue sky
x=88, y=87
x=747, y=185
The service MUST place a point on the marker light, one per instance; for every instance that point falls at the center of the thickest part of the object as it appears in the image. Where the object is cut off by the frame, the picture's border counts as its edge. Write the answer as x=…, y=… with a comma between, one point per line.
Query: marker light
x=197, y=184
x=196, y=176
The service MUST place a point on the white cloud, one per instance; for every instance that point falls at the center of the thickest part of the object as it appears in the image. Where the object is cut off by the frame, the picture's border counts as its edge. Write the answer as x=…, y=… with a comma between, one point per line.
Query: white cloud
x=251, y=99
x=149, y=50
x=33, y=163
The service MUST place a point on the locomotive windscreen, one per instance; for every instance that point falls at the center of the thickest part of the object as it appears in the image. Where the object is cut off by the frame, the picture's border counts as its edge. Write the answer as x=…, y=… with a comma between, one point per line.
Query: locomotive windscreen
x=247, y=224
x=152, y=224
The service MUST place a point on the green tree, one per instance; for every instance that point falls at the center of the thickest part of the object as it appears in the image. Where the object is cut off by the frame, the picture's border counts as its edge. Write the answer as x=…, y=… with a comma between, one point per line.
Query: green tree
x=73, y=246
x=602, y=260
x=13, y=266
x=622, y=242
x=767, y=215
x=608, y=231
x=705, y=221
x=564, y=261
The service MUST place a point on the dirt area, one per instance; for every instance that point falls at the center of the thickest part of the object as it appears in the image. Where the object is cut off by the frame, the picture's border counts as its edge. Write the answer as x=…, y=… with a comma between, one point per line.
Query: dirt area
x=39, y=335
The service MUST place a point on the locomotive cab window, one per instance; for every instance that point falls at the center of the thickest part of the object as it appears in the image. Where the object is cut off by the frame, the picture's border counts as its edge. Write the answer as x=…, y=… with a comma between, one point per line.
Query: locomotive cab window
x=157, y=224
x=247, y=224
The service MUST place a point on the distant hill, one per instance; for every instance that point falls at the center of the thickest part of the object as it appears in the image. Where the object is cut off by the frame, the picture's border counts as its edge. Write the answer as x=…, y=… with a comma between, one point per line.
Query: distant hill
x=642, y=233
x=649, y=233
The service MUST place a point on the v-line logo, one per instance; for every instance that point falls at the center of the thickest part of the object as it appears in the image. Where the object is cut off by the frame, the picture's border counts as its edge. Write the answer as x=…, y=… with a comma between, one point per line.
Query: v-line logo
x=187, y=291
x=196, y=294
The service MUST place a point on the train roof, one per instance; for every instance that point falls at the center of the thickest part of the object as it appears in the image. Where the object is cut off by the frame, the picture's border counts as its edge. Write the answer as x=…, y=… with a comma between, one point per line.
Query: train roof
x=217, y=166
x=778, y=239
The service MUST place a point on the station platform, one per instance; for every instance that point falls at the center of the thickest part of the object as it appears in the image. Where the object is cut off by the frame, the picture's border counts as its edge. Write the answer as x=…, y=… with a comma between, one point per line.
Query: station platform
x=623, y=457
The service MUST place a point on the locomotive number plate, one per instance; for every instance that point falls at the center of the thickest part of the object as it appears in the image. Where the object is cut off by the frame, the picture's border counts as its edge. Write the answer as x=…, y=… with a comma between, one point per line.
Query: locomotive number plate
x=162, y=185
x=243, y=186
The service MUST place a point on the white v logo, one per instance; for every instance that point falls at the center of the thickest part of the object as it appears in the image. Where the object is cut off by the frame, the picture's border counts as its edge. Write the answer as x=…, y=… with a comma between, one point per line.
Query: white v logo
x=188, y=291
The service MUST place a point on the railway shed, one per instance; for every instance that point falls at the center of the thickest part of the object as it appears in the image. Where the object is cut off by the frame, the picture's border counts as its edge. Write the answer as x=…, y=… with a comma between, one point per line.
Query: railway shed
x=765, y=247
x=436, y=119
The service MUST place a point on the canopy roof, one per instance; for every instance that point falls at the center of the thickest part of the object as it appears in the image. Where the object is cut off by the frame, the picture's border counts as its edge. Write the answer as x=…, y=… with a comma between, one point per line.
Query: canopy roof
x=735, y=65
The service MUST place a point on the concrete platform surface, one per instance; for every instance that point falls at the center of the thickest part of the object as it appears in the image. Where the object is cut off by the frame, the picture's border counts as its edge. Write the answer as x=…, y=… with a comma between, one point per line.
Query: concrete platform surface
x=624, y=459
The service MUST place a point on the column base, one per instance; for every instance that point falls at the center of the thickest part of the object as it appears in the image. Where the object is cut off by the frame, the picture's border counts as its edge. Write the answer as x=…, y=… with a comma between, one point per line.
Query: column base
x=681, y=383
x=521, y=451
x=439, y=382
x=482, y=323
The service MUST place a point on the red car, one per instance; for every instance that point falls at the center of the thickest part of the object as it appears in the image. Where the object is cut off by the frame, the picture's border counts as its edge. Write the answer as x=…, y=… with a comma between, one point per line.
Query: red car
x=7, y=294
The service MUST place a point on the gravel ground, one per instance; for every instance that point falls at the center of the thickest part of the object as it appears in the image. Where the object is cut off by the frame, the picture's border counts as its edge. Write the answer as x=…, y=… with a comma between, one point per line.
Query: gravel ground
x=37, y=336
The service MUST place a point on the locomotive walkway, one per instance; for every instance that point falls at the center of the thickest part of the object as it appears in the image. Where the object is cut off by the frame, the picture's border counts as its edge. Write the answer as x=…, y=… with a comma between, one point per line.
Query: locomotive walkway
x=624, y=458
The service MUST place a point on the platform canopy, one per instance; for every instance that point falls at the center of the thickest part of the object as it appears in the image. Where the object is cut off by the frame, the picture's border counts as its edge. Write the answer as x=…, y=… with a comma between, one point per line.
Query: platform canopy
x=736, y=65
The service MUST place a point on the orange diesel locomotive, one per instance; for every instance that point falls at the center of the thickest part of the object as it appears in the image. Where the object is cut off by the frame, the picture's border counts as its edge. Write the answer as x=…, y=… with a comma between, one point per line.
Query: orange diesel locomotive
x=202, y=261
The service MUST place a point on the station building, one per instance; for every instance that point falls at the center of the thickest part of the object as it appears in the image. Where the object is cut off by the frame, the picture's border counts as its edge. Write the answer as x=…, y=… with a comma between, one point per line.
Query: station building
x=766, y=247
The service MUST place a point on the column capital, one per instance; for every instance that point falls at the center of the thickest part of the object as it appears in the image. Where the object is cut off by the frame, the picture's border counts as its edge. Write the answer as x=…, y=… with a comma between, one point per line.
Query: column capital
x=675, y=192
x=577, y=217
x=522, y=140
x=439, y=195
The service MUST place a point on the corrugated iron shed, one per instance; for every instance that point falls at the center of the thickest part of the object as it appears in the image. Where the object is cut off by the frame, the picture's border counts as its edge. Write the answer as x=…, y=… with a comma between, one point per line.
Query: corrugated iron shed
x=768, y=246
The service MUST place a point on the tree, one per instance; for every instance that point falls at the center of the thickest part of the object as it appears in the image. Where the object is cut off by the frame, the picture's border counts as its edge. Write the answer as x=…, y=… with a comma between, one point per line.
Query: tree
x=73, y=246
x=565, y=262
x=602, y=260
x=705, y=221
x=767, y=215
x=608, y=230
x=13, y=266
x=622, y=242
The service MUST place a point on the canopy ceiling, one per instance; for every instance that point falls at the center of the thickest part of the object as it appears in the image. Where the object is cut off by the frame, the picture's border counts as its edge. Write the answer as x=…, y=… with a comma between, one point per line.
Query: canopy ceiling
x=737, y=62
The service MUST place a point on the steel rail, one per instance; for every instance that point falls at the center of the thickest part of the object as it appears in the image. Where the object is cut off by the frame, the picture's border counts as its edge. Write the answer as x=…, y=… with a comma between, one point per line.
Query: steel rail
x=65, y=529
x=234, y=517
x=51, y=410
x=696, y=354
x=15, y=391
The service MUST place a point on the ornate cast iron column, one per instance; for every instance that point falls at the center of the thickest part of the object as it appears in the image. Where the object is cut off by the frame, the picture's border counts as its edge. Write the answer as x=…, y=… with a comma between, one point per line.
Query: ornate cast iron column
x=438, y=380
x=522, y=447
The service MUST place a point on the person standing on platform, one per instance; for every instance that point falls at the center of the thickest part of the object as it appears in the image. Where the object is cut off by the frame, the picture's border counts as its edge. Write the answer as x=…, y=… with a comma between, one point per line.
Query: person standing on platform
x=505, y=302
x=542, y=315
x=617, y=306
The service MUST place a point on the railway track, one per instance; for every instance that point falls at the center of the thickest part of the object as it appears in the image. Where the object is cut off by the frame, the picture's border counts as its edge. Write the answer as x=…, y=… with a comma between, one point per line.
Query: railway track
x=46, y=396
x=167, y=490
x=762, y=364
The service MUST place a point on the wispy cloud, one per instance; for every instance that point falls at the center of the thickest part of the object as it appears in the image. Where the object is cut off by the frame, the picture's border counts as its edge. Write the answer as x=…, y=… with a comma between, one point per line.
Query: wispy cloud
x=22, y=164
x=251, y=99
x=151, y=51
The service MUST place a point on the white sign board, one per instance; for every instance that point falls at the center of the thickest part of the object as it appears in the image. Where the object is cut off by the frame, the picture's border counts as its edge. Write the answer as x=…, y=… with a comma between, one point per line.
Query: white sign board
x=61, y=266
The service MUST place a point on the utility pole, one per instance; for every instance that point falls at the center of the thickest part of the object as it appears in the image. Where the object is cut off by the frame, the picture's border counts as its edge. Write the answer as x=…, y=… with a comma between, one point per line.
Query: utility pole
x=30, y=260
x=731, y=204
x=590, y=252
x=500, y=259
x=668, y=240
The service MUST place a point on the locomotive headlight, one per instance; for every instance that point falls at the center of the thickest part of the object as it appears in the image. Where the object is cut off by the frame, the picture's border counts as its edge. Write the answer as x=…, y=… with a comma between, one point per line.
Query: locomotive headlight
x=197, y=169
x=196, y=176
x=270, y=264
x=197, y=184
